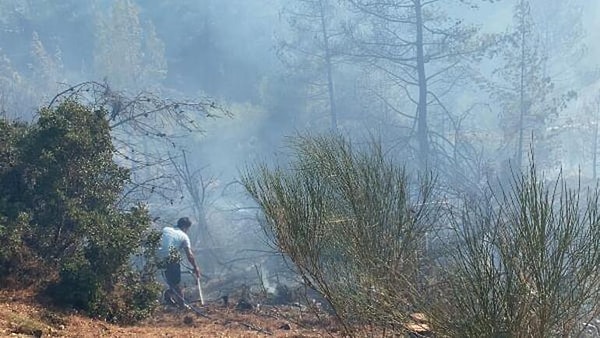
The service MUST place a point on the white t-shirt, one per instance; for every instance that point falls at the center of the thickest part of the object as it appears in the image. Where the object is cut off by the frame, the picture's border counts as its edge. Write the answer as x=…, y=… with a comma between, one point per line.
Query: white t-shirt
x=175, y=238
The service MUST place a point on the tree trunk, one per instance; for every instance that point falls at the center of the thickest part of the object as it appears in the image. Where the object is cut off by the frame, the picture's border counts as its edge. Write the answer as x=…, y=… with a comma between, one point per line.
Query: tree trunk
x=328, y=67
x=422, y=129
x=522, y=109
x=595, y=145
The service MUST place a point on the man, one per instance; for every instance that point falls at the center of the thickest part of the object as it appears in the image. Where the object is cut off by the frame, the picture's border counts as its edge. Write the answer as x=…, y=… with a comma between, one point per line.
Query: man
x=174, y=241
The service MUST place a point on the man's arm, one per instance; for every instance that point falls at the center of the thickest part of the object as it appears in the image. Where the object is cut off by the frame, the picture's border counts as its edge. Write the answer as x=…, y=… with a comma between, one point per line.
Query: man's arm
x=192, y=260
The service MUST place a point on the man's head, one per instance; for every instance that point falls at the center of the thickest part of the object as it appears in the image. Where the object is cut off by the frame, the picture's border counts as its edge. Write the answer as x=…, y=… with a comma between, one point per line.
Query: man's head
x=184, y=223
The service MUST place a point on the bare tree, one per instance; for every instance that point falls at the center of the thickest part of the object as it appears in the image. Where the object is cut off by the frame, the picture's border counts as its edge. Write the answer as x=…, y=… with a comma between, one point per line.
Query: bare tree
x=421, y=50
x=145, y=128
x=196, y=186
x=313, y=46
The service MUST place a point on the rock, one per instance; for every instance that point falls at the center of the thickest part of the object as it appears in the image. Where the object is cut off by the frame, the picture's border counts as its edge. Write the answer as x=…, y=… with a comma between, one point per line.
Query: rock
x=285, y=326
x=243, y=305
x=187, y=320
x=418, y=326
x=418, y=317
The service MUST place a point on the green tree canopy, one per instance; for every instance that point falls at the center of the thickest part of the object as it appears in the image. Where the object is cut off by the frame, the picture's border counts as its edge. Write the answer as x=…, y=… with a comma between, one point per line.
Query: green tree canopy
x=60, y=225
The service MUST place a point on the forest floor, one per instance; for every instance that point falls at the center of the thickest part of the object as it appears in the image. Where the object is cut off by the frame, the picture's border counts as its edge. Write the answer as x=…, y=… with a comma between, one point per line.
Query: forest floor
x=22, y=316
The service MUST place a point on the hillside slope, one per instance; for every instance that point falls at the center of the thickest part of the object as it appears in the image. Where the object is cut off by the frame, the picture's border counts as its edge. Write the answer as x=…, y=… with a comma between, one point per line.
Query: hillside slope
x=22, y=316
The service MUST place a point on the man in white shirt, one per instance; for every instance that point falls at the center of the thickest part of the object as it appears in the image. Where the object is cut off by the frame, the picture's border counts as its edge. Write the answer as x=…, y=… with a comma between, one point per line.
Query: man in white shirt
x=174, y=241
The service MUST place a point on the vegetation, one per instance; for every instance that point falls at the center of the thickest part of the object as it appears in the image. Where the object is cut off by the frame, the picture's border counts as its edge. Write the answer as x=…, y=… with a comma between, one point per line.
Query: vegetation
x=522, y=265
x=353, y=224
x=60, y=227
x=452, y=87
x=525, y=265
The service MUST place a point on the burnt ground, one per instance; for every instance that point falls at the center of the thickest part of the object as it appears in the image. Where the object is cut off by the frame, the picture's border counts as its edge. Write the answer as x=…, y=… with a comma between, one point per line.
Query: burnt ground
x=22, y=316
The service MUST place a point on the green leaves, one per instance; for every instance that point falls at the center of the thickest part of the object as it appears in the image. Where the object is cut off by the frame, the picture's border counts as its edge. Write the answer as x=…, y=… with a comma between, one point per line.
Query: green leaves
x=59, y=187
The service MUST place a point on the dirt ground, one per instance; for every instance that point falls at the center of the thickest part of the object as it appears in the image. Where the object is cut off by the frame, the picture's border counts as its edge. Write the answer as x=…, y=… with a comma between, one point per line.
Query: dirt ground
x=22, y=316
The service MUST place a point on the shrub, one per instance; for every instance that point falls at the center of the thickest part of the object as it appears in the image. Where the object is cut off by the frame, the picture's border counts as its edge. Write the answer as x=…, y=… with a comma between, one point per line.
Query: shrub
x=525, y=265
x=522, y=263
x=59, y=187
x=353, y=224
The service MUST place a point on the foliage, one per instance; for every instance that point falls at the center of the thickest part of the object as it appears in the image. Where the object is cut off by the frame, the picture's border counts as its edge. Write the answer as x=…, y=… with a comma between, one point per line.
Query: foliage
x=312, y=50
x=525, y=91
x=351, y=222
x=12, y=250
x=522, y=263
x=127, y=52
x=47, y=68
x=14, y=91
x=422, y=51
x=59, y=186
x=525, y=264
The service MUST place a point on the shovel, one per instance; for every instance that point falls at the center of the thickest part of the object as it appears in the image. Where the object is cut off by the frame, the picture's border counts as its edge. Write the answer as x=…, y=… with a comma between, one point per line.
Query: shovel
x=200, y=290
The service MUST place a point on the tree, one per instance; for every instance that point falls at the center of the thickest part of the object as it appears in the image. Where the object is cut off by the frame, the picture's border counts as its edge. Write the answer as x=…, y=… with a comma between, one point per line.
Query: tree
x=422, y=51
x=595, y=109
x=524, y=89
x=196, y=187
x=127, y=53
x=44, y=42
x=47, y=69
x=581, y=133
x=20, y=90
x=313, y=46
x=145, y=128
x=59, y=212
x=14, y=94
x=561, y=35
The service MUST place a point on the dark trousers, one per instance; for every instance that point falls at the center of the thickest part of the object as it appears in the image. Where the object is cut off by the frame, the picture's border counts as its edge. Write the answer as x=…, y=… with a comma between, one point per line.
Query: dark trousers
x=173, y=274
x=173, y=277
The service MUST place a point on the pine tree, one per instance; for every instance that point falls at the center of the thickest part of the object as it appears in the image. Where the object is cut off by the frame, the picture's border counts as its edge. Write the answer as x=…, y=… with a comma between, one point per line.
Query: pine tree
x=311, y=50
x=523, y=89
x=128, y=54
x=422, y=51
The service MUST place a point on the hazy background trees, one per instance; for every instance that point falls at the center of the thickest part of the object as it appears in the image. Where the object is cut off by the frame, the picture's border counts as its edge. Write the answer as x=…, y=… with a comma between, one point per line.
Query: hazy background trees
x=337, y=56
x=127, y=51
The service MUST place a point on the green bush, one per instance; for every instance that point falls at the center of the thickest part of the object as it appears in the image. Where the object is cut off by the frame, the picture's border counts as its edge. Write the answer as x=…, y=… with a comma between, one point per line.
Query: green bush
x=131, y=299
x=521, y=263
x=59, y=221
x=125, y=298
x=352, y=222
x=526, y=265
x=78, y=285
x=13, y=220
x=17, y=261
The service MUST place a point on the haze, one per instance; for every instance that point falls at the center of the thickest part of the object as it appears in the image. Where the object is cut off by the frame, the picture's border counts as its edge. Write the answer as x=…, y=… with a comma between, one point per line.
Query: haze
x=500, y=82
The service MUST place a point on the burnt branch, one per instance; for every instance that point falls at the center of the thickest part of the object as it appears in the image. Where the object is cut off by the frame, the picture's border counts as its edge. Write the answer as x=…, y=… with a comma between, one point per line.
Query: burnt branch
x=145, y=128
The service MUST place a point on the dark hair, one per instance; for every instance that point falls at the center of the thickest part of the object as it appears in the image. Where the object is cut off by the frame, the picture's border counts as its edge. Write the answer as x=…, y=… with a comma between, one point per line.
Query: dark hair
x=184, y=223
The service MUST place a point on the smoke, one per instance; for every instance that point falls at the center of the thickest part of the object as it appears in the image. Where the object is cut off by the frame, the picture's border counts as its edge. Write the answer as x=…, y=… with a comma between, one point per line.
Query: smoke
x=228, y=50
